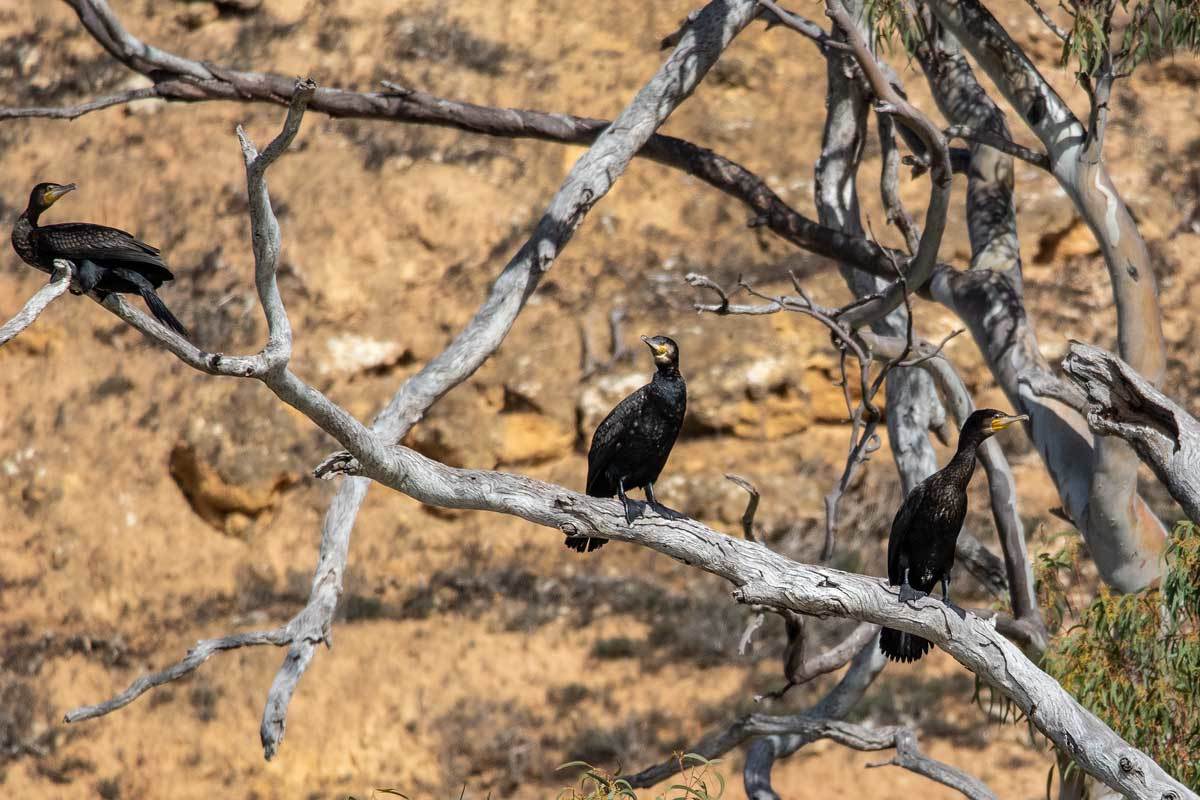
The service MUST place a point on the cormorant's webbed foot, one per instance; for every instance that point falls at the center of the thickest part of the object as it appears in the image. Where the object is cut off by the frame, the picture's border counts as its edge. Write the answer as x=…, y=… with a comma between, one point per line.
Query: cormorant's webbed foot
x=957, y=609
x=633, y=508
x=908, y=594
x=87, y=276
x=666, y=513
x=962, y=614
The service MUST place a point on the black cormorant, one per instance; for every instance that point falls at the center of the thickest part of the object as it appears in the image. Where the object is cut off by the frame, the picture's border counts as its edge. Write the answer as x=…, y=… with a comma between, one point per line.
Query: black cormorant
x=106, y=259
x=631, y=446
x=925, y=530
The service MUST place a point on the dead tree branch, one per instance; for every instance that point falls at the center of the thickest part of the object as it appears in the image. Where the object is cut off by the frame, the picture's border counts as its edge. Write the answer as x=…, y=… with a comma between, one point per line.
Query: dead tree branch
x=589, y=180
x=60, y=281
x=762, y=577
x=1048, y=21
x=763, y=752
x=832, y=658
x=1102, y=496
x=805, y=27
x=891, y=102
x=1126, y=405
x=996, y=142
x=857, y=737
x=751, y=505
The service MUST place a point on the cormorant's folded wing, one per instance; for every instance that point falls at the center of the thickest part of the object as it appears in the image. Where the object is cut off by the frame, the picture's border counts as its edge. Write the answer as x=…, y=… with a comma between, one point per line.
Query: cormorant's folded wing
x=607, y=440
x=78, y=241
x=902, y=529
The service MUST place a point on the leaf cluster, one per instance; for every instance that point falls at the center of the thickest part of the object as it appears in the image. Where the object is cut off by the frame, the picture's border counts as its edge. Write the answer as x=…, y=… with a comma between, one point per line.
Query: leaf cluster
x=1134, y=661
x=1145, y=30
x=697, y=781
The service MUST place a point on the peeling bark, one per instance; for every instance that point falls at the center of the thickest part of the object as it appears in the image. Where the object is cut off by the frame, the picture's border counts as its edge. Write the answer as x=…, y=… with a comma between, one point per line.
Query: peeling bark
x=1127, y=406
x=1124, y=537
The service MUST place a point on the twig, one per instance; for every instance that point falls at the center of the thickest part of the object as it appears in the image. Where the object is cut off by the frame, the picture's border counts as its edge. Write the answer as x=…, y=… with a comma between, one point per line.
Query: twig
x=1049, y=22
x=805, y=27
x=60, y=281
x=857, y=737
x=997, y=142
x=751, y=505
x=203, y=651
x=804, y=670
x=74, y=112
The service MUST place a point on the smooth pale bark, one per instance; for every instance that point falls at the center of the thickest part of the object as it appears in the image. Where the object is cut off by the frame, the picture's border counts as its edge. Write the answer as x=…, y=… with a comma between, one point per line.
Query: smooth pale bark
x=992, y=228
x=1123, y=535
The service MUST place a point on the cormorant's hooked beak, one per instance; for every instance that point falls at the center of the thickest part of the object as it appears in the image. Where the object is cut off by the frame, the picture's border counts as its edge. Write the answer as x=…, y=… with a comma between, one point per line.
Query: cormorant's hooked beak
x=51, y=196
x=1000, y=423
x=659, y=349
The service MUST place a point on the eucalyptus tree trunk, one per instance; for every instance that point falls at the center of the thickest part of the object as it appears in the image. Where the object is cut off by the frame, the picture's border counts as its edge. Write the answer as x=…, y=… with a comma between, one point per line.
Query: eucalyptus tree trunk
x=1097, y=481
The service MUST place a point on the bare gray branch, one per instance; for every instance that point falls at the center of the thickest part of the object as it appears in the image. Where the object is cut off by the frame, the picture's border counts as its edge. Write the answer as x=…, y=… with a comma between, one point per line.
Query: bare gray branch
x=60, y=281
x=1126, y=405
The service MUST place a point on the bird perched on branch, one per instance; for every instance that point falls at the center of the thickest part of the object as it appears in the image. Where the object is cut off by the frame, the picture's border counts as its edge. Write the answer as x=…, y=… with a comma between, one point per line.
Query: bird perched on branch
x=106, y=259
x=631, y=446
x=926, y=528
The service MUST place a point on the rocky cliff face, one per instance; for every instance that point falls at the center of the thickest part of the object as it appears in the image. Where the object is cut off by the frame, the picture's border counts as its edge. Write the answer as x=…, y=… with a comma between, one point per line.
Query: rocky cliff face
x=145, y=506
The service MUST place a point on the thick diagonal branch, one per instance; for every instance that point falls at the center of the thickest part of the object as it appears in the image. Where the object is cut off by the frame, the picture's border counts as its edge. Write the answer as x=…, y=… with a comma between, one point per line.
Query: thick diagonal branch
x=762, y=577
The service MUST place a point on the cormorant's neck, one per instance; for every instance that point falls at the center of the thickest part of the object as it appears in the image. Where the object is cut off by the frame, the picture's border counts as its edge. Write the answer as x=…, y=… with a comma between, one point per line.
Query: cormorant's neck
x=667, y=372
x=963, y=463
x=31, y=214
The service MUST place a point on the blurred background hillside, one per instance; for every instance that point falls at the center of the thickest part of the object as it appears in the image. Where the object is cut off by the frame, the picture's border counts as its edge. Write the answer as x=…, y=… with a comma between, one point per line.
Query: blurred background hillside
x=144, y=506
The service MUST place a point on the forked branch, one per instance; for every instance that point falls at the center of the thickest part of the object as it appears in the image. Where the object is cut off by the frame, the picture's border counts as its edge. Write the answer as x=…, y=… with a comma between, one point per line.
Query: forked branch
x=857, y=737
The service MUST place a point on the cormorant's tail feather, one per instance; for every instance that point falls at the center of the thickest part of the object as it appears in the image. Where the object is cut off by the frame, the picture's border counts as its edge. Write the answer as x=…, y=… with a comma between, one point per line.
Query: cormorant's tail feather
x=160, y=311
x=901, y=646
x=584, y=544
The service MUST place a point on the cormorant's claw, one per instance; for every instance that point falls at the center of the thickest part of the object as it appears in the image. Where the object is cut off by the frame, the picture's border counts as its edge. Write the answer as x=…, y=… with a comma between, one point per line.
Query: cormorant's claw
x=666, y=513
x=908, y=594
x=633, y=509
x=957, y=609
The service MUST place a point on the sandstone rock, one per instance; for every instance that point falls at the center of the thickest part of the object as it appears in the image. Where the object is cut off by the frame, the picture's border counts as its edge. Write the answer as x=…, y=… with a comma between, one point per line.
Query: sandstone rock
x=757, y=398
x=198, y=14
x=349, y=354
x=471, y=429
x=1058, y=244
x=454, y=431
x=231, y=508
x=529, y=438
x=229, y=464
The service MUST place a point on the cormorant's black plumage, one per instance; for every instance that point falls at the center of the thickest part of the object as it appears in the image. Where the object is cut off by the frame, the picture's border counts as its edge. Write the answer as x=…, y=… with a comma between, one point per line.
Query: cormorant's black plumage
x=926, y=528
x=106, y=259
x=631, y=446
